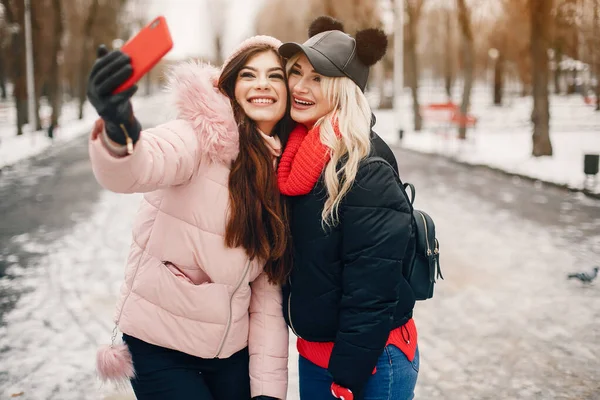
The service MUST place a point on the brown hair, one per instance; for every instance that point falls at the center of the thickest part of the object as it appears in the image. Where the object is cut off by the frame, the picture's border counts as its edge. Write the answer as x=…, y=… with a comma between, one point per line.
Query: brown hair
x=258, y=215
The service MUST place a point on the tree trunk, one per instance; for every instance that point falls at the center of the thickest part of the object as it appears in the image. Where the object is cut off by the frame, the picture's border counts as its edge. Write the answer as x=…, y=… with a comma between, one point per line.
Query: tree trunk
x=38, y=48
x=16, y=16
x=448, y=65
x=498, y=79
x=596, y=51
x=55, y=89
x=329, y=9
x=571, y=82
x=84, y=66
x=468, y=52
x=413, y=11
x=557, y=70
x=385, y=102
x=19, y=91
x=540, y=13
x=218, y=43
x=38, y=121
x=3, y=94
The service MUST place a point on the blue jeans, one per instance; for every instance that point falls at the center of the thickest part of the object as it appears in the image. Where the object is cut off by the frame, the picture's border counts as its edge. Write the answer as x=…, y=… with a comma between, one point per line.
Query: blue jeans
x=395, y=379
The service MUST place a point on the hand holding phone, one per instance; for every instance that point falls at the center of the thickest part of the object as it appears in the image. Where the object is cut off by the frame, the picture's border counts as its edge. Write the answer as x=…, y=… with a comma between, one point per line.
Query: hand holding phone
x=112, y=79
x=146, y=49
x=108, y=73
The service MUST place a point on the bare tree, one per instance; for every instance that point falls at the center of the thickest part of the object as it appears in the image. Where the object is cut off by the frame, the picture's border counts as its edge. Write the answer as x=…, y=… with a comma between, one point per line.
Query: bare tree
x=100, y=26
x=40, y=28
x=4, y=40
x=565, y=37
x=498, y=40
x=540, y=40
x=283, y=19
x=468, y=58
x=86, y=49
x=413, y=10
x=14, y=16
x=54, y=82
x=356, y=15
x=448, y=52
x=498, y=78
x=596, y=50
x=218, y=18
x=71, y=25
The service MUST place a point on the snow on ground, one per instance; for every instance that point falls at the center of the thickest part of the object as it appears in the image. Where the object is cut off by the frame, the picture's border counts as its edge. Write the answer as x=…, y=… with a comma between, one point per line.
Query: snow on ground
x=502, y=137
x=50, y=338
x=15, y=148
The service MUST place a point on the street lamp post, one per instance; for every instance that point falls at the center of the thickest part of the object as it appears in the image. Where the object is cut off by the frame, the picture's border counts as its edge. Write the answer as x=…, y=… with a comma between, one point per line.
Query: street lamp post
x=398, y=64
x=30, y=75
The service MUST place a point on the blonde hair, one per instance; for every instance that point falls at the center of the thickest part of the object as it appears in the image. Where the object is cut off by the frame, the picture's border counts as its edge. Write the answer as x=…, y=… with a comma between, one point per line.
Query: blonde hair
x=353, y=115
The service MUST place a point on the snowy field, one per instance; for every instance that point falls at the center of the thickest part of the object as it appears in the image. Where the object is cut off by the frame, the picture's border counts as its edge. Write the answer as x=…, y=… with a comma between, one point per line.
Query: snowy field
x=502, y=137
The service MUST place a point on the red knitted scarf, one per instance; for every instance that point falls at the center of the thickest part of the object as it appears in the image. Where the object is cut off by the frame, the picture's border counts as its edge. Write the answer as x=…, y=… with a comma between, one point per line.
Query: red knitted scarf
x=302, y=161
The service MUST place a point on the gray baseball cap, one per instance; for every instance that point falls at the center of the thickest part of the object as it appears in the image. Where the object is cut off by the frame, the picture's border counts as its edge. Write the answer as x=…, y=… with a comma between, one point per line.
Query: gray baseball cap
x=333, y=54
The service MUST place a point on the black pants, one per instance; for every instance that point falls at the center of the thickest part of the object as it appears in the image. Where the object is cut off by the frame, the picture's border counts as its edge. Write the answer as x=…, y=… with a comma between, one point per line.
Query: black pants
x=169, y=374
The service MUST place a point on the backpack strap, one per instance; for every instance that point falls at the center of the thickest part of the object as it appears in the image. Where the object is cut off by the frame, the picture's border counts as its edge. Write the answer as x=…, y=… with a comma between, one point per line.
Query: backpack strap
x=413, y=193
x=404, y=186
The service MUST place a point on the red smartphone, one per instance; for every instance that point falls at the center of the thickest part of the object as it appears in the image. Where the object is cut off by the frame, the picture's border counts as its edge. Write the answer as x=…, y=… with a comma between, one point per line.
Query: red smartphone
x=146, y=49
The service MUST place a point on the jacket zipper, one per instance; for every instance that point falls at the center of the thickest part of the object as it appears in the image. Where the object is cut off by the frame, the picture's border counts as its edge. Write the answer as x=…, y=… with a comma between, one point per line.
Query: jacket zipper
x=429, y=252
x=426, y=234
x=289, y=307
x=229, y=317
x=436, y=251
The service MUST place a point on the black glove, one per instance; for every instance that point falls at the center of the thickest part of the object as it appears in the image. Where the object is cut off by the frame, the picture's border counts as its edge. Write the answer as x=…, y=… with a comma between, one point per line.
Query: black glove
x=110, y=71
x=261, y=397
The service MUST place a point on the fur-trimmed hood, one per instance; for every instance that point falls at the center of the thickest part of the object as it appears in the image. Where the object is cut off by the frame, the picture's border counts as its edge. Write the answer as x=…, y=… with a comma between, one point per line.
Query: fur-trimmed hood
x=193, y=87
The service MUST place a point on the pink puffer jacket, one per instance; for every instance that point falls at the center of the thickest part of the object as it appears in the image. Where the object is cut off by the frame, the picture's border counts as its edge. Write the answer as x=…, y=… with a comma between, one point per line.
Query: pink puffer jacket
x=184, y=289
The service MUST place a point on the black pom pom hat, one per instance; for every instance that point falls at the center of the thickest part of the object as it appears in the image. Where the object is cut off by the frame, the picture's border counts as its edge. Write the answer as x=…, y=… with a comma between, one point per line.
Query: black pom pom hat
x=334, y=53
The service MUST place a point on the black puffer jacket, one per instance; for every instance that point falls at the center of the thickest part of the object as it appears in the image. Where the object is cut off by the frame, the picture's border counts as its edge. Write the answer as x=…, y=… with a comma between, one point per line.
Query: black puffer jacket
x=346, y=285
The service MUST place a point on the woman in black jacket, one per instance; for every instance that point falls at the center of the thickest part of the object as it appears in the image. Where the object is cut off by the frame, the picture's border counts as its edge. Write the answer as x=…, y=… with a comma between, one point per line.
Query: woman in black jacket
x=346, y=298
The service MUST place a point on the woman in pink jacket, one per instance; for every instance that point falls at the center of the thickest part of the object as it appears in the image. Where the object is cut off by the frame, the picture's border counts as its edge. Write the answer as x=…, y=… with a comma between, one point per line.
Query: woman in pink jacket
x=200, y=307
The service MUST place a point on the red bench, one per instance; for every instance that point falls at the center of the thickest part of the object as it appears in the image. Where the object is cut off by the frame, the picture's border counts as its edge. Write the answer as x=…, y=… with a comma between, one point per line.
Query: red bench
x=447, y=114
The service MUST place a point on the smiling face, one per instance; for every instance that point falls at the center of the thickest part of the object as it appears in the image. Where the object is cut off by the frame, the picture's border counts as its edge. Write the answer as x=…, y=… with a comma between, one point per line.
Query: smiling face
x=309, y=103
x=260, y=89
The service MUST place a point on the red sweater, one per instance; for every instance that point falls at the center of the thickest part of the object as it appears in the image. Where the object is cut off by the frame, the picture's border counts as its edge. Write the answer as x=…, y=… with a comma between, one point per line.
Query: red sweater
x=404, y=338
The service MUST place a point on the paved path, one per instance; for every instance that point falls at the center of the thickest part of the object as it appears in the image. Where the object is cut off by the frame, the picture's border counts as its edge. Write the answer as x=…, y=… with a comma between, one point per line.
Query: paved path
x=506, y=324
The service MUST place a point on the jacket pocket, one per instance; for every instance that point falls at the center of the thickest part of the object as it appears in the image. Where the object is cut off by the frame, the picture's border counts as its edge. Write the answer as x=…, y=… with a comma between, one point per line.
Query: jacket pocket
x=207, y=302
x=200, y=276
x=177, y=272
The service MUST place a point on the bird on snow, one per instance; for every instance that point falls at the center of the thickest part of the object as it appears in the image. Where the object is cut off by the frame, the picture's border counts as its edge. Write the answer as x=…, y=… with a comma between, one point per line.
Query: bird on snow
x=585, y=277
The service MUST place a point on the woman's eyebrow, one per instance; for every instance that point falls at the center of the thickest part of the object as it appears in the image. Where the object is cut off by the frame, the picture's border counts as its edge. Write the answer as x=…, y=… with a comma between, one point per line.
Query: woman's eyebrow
x=296, y=65
x=269, y=70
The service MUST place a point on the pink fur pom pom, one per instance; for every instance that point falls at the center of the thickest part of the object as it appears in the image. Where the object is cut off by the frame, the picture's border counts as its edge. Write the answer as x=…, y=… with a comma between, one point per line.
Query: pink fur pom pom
x=114, y=363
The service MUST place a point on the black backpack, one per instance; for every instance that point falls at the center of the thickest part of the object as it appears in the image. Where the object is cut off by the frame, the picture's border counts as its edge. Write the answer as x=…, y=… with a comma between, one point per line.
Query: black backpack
x=423, y=269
